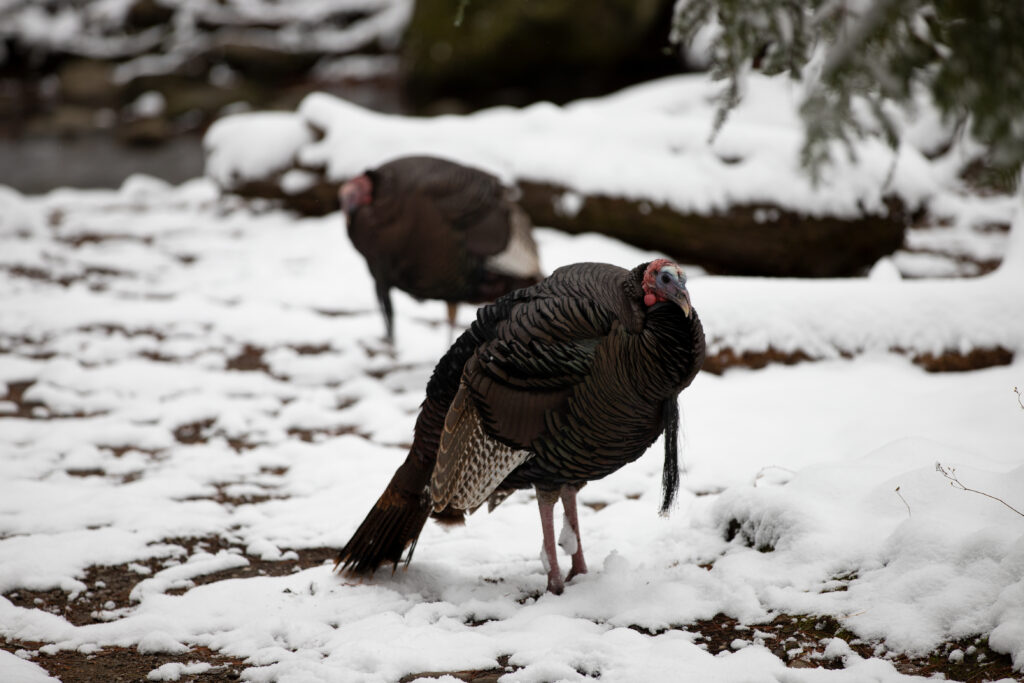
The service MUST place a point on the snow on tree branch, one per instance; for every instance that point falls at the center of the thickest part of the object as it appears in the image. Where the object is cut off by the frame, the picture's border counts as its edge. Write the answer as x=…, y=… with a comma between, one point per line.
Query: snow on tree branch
x=856, y=59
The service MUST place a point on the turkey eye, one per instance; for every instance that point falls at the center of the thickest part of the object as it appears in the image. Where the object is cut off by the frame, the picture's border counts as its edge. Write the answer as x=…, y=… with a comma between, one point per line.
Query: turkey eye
x=665, y=278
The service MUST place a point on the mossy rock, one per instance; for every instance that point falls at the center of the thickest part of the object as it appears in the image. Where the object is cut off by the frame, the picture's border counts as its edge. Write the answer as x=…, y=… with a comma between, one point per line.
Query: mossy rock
x=557, y=49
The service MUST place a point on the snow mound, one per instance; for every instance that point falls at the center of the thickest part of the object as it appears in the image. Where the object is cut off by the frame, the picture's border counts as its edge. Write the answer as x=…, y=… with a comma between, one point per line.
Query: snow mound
x=648, y=142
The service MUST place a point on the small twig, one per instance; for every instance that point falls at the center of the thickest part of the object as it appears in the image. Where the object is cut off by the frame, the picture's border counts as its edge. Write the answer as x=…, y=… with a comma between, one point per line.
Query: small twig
x=950, y=474
x=1019, y=402
x=909, y=514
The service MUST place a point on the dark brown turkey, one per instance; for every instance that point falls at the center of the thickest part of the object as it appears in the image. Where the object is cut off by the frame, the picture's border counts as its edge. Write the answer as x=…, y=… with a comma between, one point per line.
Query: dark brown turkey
x=552, y=386
x=438, y=230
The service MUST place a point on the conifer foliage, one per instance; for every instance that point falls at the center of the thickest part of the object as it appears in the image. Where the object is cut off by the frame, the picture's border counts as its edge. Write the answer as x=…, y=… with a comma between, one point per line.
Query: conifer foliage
x=859, y=58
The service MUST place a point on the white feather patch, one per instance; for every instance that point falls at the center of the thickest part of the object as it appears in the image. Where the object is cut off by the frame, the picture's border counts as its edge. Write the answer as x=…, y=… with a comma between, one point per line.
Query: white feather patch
x=520, y=256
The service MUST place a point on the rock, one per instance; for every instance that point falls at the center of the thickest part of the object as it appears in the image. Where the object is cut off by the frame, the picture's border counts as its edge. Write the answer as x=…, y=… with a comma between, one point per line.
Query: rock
x=554, y=49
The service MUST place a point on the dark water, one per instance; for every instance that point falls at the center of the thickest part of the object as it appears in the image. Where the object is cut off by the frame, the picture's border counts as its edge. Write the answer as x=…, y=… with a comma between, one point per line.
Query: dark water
x=38, y=164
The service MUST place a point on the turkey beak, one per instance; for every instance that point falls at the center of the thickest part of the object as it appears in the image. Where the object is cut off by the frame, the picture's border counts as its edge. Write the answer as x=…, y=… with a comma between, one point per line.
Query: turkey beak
x=682, y=298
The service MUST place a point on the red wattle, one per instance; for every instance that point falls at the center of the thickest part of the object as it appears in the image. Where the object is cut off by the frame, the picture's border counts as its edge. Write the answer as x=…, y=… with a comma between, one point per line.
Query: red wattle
x=650, y=299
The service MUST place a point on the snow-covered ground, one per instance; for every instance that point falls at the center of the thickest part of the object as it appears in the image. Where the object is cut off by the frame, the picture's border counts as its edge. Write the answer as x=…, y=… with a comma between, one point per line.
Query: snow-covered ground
x=178, y=365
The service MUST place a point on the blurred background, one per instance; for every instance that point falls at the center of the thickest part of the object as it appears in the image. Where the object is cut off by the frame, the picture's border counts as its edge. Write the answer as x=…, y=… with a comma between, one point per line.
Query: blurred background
x=94, y=90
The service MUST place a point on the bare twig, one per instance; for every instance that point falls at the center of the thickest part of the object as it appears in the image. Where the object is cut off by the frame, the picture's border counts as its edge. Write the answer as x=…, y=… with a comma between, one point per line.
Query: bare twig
x=904, y=501
x=950, y=474
x=1019, y=397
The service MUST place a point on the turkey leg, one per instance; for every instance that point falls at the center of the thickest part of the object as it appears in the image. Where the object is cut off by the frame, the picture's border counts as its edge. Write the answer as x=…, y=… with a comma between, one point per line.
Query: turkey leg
x=546, y=502
x=452, y=307
x=384, y=297
x=579, y=564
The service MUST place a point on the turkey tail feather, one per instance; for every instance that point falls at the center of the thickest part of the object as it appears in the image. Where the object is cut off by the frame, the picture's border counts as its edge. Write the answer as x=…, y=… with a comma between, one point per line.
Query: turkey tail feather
x=394, y=523
x=670, y=471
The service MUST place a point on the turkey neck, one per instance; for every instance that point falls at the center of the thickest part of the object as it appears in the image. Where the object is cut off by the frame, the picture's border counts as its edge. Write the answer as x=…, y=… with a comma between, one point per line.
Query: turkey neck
x=677, y=348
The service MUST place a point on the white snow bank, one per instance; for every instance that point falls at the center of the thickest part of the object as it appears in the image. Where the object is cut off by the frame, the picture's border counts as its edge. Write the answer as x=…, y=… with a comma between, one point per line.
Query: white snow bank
x=260, y=144
x=649, y=142
x=14, y=668
x=98, y=29
x=949, y=567
x=299, y=452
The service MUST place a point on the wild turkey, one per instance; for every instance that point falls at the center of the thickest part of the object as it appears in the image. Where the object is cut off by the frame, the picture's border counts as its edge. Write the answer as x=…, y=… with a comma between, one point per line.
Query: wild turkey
x=438, y=230
x=552, y=386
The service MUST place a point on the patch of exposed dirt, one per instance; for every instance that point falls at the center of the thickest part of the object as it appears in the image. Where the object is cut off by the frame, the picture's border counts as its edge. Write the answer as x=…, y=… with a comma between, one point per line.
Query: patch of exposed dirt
x=108, y=587
x=948, y=361
x=718, y=363
x=16, y=395
x=800, y=641
x=108, y=329
x=310, y=349
x=222, y=496
x=193, y=432
x=201, y=431
x=87, y=276
x=954, y=361
x=126, y=665
x=249, y=360
x=81, y=238
x=317, y=435
x=35, y=410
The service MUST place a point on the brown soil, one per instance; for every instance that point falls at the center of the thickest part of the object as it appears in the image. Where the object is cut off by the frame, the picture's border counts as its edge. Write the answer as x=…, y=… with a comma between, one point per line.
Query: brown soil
x=109, y=590
x=948, y=361
x=125, y=665
x=798, y=640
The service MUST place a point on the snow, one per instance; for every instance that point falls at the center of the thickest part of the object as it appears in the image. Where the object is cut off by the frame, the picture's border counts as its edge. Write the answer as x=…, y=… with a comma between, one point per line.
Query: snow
x=98, y=29
x=279, y=135
x=648, y=142
x=14, y=668
x=789, y=500
x=173, y=671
